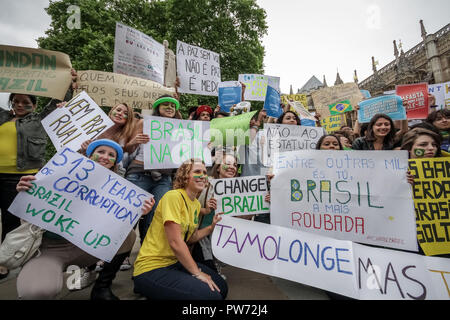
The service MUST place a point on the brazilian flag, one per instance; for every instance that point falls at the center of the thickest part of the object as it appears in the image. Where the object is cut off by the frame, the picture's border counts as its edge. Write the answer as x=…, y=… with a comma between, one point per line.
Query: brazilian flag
x=340, y=107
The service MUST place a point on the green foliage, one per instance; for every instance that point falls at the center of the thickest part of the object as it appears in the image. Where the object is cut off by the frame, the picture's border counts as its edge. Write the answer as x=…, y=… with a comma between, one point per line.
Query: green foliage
x=232, y=28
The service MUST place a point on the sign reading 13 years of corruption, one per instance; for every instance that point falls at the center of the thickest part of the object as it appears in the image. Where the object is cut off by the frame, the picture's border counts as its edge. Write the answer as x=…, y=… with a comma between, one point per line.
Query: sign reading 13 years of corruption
x=431, y=192
x=362, y=196
x=82, y=201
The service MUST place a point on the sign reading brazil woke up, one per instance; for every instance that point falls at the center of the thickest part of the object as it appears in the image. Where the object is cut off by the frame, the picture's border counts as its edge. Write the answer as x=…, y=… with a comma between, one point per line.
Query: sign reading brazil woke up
x=174, y=141
x=241, y=196
x=361, y=196
x=82, y=201
x=343, y=267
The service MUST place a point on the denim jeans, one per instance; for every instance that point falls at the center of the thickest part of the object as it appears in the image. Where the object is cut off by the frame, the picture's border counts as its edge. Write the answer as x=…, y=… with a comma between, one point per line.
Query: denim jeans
x=8, y=183
x=176, y=283
x=156, y=188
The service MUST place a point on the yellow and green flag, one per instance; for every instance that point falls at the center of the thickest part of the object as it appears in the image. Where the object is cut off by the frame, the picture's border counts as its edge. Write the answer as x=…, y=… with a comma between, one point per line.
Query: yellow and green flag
x=340, y=107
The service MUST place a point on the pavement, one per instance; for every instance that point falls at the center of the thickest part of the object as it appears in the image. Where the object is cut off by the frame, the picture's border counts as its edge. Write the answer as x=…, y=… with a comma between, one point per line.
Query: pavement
x=242, y=285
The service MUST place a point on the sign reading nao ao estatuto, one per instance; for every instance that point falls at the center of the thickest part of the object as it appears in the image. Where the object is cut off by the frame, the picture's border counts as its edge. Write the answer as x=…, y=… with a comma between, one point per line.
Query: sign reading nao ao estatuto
x=174, y=141
x=198, y=70
x=361, y=196
x=79, y=120
x=80, y=200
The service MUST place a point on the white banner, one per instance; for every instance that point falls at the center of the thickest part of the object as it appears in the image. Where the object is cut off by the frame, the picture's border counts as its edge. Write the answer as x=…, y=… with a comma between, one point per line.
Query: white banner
x=198, y=70
x=82, y=201
x=79, y=120
x=256, y=85
x=241, y=196
x=342, y=267
x=173, y=141
x=361, y=196
x=137, y=54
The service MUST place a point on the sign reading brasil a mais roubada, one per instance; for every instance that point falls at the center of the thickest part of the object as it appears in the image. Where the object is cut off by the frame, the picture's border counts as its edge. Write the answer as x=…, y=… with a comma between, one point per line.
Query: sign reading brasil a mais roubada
x=34, y=71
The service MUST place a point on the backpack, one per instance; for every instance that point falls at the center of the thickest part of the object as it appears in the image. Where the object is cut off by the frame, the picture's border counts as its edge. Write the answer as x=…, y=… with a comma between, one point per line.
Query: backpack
x=20, y=245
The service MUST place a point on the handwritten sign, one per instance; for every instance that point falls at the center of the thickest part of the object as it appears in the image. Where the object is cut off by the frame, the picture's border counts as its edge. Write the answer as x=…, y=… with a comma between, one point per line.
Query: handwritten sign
x=431, y=192
x=343, y=267
x=137, y=54
x=331, y=124
x=198, y=70
x=284, y=137
x=300, y=110
x=79, y=120
x=447, y=95
x=256, y=85
x=230, y=93
x=338, y=195
x=391, y=105
x=302, y=98
x=80, y=200
x=34, y=71
x=324, y=97
x=109, y=89
x=241, y=196
x=174, y=141
x=416, y=96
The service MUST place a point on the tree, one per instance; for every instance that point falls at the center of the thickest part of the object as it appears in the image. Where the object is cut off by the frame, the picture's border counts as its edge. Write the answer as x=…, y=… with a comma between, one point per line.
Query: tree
x=232, y=28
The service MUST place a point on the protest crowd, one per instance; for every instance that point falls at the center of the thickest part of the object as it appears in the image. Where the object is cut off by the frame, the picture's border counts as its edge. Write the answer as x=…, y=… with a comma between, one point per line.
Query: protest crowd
x=173, y=197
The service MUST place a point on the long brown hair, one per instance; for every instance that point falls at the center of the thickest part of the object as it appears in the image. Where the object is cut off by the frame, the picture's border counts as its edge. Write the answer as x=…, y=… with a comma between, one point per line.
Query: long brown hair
x=127, y=132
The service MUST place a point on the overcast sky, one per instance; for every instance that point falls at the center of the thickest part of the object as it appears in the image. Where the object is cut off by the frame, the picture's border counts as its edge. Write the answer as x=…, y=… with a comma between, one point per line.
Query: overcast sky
x=305, y=38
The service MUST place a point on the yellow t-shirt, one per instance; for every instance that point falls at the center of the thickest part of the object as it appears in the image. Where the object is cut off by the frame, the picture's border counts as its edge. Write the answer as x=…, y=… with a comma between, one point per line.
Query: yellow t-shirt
x=8, y=149
x=155, y=251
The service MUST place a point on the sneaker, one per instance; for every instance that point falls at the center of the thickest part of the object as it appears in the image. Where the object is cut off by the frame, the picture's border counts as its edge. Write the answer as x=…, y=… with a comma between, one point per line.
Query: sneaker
x=87, y=278
x=99, y=266
x=126, y=265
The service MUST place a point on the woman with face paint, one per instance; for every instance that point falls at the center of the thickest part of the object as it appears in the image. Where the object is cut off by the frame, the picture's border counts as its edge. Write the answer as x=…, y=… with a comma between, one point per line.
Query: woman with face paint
x=164, y=268
x=42, y=276
x=22, y=149
x=422, y=143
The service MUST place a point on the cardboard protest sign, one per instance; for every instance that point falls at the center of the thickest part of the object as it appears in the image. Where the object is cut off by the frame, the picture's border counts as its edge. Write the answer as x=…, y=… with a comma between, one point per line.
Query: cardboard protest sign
x=324, y=97
x=138, y=55
x=416, y=96
x=79, y=120
x=231, y=131
x=392, y=105
x=109, y=89
x=302, y=98
x=34, y=71
x=230, y=93
x=198, y=70
x=340, y=107
x=343, y=267
x=256, y=86
x=272, y=104
x=431, y=192
x=241, y=196
x=173, y=141
x=80, y=200
x=300, y=110
x=285, y=137
x=331, y=124
x=361, y=196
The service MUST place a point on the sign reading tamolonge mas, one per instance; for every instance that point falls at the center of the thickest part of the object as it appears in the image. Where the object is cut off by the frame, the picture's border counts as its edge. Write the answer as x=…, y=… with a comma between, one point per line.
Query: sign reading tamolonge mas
x=82, y=201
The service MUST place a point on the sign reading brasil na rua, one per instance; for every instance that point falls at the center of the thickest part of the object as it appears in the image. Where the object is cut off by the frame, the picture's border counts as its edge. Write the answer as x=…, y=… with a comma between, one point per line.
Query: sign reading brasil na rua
x=34, y=71
x=431, y=192
x=361, y=196
x=392, y=105
x=173, y=141
x=241, y=196
x=82, y=201
x=343, y=267
x=79, y=120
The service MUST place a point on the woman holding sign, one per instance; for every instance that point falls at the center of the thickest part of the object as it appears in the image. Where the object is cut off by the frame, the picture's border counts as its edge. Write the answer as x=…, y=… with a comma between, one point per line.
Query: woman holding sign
x=164, y=268
x=42, y=276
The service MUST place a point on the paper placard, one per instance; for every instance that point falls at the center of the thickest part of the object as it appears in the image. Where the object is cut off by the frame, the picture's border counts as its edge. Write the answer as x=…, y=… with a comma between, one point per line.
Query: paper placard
x=416, y=96
x=79, y=120
x=324, y=97
x=80, y=200
x=391, y=105
x=230, y=93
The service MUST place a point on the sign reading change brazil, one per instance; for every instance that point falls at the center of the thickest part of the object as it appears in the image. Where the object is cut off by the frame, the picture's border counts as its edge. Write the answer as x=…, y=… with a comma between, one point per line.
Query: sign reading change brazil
x=34, y=71
x=174, y=141
x=82, y=201
x=362, y=196
x=343, y=267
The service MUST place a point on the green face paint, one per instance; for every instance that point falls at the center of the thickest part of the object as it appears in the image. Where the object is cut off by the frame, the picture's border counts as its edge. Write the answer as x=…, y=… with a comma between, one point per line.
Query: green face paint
x=225, y=167
x=419, y=152
x=112, y=160
x=95, y=157
x=201, y=176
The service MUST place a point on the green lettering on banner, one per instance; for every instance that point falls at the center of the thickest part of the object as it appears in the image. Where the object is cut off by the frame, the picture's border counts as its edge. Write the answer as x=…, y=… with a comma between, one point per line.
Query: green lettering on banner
x=226, y=202
x=157, y=129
